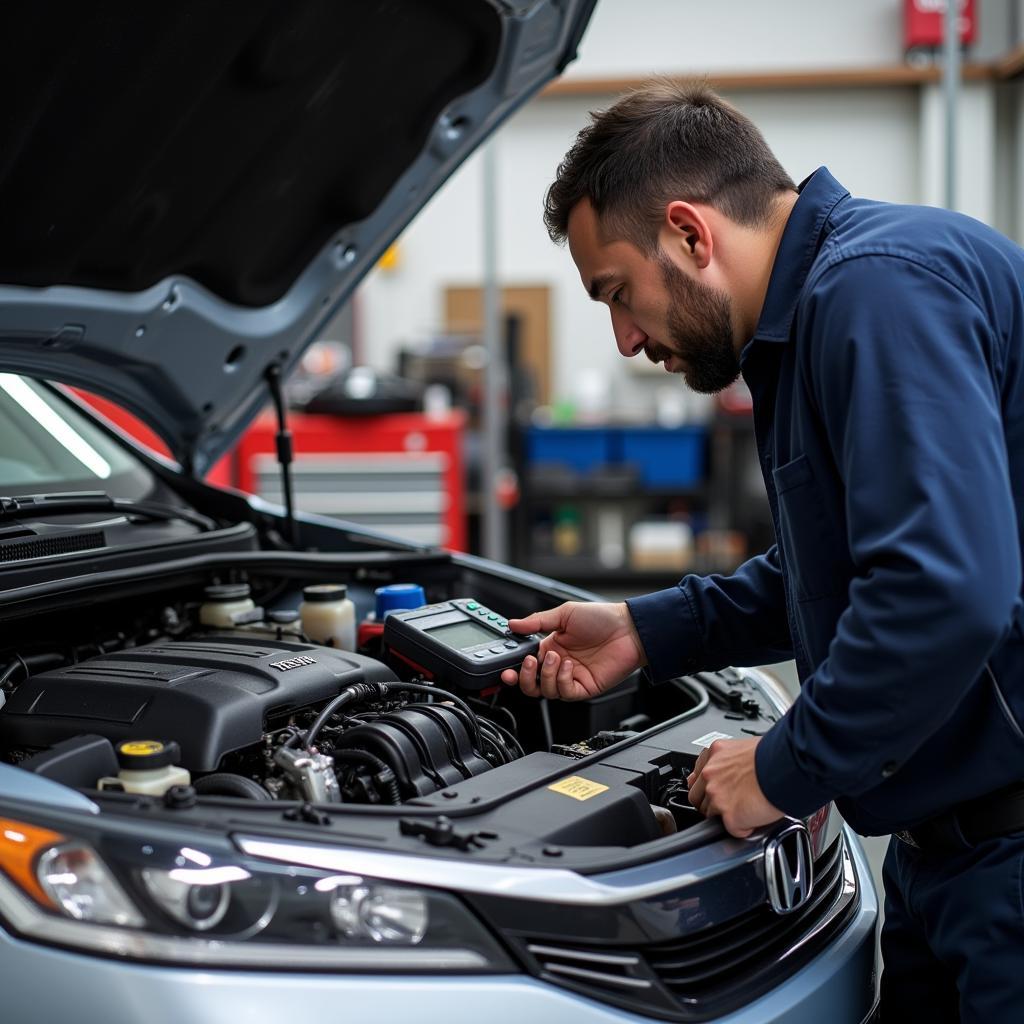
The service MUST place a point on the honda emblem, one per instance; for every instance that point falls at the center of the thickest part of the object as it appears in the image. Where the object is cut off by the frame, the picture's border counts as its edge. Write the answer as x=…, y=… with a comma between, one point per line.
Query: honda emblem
x=789, y=868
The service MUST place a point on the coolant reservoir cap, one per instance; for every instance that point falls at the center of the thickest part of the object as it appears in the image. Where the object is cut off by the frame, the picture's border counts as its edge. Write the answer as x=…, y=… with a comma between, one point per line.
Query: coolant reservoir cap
x=398, y=595
x=225, y=592
x=324, y=592
x=141, y=755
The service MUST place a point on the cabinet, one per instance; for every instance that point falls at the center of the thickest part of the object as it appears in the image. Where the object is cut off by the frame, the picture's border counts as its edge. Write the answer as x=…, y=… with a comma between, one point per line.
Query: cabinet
x=401, y=473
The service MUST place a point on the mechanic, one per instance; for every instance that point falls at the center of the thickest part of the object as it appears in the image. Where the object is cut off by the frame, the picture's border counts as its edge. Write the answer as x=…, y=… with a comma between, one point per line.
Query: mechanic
x=883, y=346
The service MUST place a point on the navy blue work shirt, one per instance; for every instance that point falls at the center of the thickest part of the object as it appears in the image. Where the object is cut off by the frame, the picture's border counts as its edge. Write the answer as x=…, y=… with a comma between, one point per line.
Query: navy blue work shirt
x=888, y=391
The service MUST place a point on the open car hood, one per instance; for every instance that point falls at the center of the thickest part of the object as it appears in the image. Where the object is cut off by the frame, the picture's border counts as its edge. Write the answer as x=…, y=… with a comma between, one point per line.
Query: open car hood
x=189, y=192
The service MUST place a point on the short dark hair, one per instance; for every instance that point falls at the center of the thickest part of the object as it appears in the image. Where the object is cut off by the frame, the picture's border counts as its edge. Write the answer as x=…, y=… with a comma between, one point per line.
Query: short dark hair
x=665, y=141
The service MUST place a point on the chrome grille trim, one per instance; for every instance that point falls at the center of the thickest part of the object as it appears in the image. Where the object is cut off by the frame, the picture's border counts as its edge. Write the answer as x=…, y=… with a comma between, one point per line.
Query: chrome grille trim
x=595, y=977
x=611, y=959
x=624, y=972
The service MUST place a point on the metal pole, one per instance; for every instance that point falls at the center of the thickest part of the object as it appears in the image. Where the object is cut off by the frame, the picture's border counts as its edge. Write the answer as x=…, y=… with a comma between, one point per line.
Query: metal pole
x=951, y=88
x=494, y=413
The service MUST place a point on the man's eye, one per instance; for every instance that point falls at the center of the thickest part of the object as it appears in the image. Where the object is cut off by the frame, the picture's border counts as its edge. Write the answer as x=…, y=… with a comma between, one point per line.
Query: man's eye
x=616, y=296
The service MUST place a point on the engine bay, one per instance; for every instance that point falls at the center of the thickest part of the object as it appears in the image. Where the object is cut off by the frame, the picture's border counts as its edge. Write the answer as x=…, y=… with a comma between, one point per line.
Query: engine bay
x=186, y=707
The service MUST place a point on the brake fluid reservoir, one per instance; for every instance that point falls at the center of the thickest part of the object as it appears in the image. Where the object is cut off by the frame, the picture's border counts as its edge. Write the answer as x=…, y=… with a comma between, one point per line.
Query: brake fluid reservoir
x=329, y=616
x=225, y=601
x=147, y=766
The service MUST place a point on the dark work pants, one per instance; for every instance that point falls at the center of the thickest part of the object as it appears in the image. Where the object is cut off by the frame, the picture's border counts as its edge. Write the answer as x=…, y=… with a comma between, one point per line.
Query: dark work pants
x=953, y=937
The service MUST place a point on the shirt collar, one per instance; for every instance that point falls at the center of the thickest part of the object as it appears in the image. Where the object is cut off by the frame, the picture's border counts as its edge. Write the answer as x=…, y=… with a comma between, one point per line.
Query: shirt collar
x=801, y=240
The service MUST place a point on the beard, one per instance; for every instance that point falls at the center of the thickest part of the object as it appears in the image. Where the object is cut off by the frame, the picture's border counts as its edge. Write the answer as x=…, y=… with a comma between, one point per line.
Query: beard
x=700, y=331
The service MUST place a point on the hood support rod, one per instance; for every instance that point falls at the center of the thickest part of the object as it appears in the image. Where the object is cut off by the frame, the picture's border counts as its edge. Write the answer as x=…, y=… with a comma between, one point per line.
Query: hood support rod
x=285, y=453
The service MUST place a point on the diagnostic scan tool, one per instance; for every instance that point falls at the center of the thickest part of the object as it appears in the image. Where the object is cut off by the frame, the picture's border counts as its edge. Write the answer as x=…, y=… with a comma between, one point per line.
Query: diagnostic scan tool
x=458, y=643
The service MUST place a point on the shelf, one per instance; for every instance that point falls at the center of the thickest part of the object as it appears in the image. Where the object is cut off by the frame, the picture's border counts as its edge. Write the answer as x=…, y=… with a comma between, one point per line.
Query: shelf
x=590, y=569
x=886, y=76
x=583, y=489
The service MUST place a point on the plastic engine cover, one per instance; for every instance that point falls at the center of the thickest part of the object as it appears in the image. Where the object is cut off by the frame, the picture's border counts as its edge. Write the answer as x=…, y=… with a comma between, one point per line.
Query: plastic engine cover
x=213, y=694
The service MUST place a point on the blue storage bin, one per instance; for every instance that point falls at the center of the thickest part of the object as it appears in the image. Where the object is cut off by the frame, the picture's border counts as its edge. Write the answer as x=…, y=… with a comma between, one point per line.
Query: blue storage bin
x=665, y=456
x=579, y=448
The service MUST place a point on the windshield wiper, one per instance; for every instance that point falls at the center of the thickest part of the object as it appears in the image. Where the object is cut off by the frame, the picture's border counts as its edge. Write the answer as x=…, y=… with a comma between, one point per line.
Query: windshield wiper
x=70, y=502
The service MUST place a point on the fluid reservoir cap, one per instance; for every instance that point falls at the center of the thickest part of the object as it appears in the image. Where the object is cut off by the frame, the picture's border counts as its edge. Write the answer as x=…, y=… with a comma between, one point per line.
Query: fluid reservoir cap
x=282, y=616
x=141, y=755
x=324, y=592
x=225, y=592
x=398, y=595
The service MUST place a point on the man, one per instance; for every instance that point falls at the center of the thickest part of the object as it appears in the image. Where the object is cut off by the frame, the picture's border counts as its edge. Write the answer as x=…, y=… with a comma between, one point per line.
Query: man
x=884, y=349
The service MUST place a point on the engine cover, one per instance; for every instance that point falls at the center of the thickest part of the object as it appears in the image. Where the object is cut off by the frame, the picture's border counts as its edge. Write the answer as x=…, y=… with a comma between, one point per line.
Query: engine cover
x=213, y=694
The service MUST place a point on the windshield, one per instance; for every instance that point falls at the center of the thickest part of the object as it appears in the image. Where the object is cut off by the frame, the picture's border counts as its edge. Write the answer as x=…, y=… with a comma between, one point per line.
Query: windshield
x=46, y=445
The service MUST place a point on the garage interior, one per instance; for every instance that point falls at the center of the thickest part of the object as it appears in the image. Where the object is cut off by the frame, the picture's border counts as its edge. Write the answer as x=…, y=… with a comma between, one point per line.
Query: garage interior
x=504, y=422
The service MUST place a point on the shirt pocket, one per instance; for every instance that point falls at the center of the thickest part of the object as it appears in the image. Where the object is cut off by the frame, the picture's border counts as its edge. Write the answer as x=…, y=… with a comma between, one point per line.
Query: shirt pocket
x=812, y=539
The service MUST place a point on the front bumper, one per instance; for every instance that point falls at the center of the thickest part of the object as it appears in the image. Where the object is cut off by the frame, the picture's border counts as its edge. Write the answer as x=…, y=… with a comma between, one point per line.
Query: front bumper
x=45, y=984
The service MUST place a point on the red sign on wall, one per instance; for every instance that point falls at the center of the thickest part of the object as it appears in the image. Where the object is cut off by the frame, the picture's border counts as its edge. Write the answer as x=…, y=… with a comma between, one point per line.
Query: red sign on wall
x=924, y=22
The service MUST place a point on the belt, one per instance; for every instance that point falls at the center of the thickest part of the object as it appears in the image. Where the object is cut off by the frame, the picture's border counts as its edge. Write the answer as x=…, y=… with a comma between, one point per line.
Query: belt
x=995, y=814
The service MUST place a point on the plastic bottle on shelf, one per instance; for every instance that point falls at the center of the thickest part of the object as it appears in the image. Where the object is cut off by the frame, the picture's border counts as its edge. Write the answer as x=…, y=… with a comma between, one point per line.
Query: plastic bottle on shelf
x=328, y=615
x=567, y=538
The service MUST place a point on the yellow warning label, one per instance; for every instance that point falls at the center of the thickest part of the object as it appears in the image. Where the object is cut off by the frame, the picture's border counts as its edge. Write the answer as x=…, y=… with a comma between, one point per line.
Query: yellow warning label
x=577, y=787
x=140, y=747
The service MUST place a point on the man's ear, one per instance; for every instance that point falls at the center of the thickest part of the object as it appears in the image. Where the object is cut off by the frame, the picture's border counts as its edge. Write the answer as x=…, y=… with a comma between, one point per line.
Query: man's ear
x=686, y=231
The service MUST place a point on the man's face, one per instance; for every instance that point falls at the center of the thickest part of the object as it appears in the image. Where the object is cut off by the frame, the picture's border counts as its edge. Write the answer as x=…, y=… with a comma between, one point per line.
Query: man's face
x=656, y=307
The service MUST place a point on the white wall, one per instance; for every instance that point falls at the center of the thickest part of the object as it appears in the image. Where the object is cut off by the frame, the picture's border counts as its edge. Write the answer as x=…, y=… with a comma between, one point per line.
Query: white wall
x=884, y=143
x=629, y=37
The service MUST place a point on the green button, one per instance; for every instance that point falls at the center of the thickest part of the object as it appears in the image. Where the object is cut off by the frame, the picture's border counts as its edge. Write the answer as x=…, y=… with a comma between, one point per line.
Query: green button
x=483, y=611
x=503, y=623
x=472, y=606
x=493, y=618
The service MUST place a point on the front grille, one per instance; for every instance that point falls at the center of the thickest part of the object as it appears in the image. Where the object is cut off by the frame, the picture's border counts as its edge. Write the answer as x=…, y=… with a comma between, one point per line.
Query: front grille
x=713, y=971
x=702, y=968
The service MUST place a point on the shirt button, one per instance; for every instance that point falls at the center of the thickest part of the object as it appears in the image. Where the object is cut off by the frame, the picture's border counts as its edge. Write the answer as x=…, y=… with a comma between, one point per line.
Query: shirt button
x=889, y=768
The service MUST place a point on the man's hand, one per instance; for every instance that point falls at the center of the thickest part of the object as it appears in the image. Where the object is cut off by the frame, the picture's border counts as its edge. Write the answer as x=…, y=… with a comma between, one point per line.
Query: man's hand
x=590, y=647
x=724, y=782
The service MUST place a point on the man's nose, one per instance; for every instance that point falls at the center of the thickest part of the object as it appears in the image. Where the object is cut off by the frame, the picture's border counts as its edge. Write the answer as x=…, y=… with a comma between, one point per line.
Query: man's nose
x=628, y=337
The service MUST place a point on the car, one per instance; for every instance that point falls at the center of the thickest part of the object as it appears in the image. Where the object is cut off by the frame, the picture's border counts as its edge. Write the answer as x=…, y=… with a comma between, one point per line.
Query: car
x=213, y=805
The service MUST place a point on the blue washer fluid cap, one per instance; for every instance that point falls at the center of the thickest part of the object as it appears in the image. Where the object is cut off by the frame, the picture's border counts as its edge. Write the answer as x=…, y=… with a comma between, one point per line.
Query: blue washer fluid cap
x=398, y=595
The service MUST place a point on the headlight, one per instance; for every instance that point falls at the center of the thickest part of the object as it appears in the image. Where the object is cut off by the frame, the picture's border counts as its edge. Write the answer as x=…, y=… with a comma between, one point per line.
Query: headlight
x=76, y=881
x=199, y=903
x=206, y=904
x=381, y=913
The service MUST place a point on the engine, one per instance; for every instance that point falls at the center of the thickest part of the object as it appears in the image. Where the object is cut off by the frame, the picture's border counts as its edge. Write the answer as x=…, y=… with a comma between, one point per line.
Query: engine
x=254, y=716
